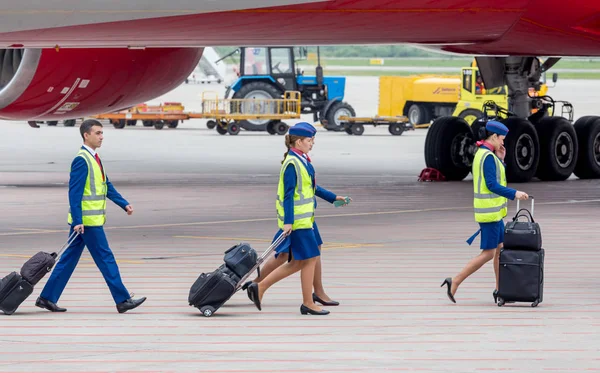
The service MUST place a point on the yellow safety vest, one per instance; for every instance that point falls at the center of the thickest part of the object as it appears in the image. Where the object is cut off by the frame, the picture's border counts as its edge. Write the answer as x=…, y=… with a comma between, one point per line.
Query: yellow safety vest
x=489, y=207
x=93, y=203
x=304, y=196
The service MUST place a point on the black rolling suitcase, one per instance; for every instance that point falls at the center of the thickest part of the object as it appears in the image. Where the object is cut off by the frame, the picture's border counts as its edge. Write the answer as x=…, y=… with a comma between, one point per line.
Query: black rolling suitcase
x=521, y=272
x=211, y=290
x=17, y=287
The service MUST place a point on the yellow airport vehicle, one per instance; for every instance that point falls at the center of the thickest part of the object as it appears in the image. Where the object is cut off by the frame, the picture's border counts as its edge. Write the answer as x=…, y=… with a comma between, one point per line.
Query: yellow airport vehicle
x=423, y=98
x=223, y=114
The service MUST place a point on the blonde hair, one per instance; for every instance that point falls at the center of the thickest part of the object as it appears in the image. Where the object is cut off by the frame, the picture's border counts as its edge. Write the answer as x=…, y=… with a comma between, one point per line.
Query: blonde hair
x=290, y=140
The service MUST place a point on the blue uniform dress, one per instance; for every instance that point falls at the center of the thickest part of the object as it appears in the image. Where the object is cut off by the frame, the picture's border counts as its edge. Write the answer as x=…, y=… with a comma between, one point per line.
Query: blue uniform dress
x=302, y=243
x=93, y=237
x=492, y=234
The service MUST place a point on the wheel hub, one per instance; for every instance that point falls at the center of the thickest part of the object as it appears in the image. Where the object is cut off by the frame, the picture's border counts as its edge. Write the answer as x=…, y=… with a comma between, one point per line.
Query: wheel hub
x=339, y=113
x=524, y=152
x=563, y=151
x=259, y=108
x=462, y=155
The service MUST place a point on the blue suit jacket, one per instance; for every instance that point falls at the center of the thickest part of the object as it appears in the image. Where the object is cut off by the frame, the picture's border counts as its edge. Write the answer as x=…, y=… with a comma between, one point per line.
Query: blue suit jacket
x=78, y=176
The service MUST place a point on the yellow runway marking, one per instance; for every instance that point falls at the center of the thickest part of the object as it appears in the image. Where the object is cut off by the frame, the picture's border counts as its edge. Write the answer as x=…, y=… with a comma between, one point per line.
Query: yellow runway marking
x=392, y=212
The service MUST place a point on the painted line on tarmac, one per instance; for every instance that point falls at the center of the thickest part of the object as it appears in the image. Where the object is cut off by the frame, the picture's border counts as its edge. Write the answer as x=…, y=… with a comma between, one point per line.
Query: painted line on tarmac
x=325, y=246
x=82, y=259
x=374, y=213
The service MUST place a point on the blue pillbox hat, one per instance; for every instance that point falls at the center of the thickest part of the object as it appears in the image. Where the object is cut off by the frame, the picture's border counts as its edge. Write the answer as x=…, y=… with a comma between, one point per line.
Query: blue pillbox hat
x=303, y=129
x=496, y=127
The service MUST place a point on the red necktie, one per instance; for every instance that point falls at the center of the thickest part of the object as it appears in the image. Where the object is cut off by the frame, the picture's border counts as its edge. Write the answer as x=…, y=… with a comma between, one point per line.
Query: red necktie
x=100, y=164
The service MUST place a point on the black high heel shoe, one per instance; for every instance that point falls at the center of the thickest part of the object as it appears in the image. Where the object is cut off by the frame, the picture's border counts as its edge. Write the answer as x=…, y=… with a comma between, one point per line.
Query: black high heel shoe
x=317, y=299
x=305, y=311
x=495, y=294
x=253, y=295
x=448, y=282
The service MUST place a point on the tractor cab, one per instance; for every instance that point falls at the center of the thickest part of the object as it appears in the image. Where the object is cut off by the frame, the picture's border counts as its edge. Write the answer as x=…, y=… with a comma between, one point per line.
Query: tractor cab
x=268, y=72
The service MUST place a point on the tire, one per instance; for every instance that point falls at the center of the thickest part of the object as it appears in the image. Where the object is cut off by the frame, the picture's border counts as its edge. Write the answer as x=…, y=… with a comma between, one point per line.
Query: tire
x=211, y=124
x=159, y=124
x=588, y=137
x=271, y=128
x=147, y=123
x=335, y=111
x=221, y=130
x=446, y=139
x=280, y=128
x=418, y=114
x=396, y=129
x=120, y=123
x=558, y=149
x=52, y=122
x=471, y=115
x=357, y=129
x=132, y=122
x=258, y=90
x=69, y=123
x=522, y=150
x=173, y=123
x=233, y=128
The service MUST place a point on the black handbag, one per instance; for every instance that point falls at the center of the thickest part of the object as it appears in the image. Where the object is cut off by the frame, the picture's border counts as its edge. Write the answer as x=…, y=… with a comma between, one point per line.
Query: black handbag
x=523, y=235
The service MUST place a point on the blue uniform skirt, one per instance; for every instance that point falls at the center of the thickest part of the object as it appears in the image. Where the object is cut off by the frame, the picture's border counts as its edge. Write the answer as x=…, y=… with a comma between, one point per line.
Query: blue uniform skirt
x=303, y=244
x=492, y=235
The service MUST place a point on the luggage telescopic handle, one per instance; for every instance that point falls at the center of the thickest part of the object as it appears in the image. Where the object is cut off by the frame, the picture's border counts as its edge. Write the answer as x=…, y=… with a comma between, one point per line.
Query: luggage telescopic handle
x=70, y=240
x=273, y=246
x=531, y=197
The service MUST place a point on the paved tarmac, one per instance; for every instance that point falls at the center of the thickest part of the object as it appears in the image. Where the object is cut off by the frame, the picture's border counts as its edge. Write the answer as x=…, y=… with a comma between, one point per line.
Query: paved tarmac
x=197, y=193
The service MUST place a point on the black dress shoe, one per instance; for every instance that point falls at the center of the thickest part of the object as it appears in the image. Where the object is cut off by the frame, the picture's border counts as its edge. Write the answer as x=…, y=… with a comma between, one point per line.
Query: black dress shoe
x=317, y=299
x=253, y=294
x=448, y=282
x=50, y=306
x=305, y=311
x=130, y=304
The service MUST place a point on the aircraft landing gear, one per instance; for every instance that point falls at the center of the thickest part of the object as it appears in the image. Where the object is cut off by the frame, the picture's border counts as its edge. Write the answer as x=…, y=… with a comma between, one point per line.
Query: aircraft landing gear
x=542, y=142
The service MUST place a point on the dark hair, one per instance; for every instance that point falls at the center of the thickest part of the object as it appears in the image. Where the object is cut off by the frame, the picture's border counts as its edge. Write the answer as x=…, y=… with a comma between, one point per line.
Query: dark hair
x=86, y=126
x=484, y=134
x=290, y=140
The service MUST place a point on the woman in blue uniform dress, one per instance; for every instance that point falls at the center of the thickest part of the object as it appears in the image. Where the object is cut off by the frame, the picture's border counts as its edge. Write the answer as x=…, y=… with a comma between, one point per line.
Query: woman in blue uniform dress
x=492, y=233
x=302, y=244
x=281, y=253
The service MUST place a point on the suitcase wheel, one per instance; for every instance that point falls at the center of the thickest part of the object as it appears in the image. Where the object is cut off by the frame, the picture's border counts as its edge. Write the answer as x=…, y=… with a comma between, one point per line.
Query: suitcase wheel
x=207, y=311
x=534, y=304
x=500, y=302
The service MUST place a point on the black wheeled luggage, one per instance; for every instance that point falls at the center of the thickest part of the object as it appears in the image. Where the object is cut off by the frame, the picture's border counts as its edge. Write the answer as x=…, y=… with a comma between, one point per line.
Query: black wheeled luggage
x=241, y=259
x=521, y=272
x=211, y=290
x=13, y=291
x=521, y=276
x=16, y=288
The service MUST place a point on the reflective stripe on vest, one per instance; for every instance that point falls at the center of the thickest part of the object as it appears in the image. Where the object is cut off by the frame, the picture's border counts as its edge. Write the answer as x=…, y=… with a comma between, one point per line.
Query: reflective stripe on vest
x=93, y=202
x=304, y=196
x=488, y=207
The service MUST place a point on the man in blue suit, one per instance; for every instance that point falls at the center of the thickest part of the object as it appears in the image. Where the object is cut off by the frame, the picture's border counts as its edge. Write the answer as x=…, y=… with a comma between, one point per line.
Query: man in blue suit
x=88, y=189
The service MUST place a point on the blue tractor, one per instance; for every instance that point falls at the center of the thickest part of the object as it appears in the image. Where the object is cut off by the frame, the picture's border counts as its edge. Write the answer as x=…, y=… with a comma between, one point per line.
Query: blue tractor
x=267, y=72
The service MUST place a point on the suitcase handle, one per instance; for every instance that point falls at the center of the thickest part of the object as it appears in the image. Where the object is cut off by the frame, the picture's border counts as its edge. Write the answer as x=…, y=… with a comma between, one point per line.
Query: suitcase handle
x=529, y=218
x=67, y=244
x=531, y=213
x=262, y=258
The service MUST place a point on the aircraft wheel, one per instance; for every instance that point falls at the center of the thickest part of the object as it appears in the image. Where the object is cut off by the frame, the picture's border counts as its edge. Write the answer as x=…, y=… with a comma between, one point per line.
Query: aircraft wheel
x=558, y=148
x=588, y=136
x=449, y=147
x=522, y=150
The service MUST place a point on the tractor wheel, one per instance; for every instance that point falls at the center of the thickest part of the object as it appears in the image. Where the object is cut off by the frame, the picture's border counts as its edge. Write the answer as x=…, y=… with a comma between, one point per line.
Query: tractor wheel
x=334, y=113
x=259, y=91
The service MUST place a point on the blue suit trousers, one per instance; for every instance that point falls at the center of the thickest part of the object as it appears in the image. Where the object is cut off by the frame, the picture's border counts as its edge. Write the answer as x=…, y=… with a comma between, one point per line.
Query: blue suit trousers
x=95, y=240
